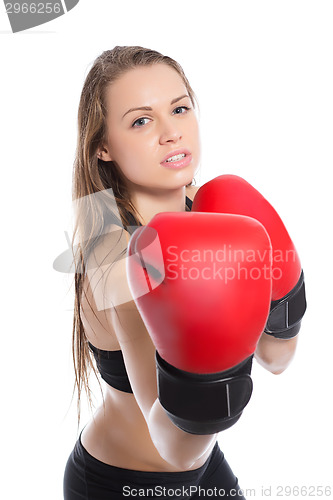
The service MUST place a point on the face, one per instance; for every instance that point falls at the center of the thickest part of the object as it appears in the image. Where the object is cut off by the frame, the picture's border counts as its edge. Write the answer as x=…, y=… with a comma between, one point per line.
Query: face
x=152, y=128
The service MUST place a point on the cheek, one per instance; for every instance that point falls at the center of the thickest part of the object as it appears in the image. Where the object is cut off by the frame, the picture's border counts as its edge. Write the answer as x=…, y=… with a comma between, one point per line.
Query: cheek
x=132, y=153
x=195, y=135
x=196, y=129
x=123, y=147
x=193, y=127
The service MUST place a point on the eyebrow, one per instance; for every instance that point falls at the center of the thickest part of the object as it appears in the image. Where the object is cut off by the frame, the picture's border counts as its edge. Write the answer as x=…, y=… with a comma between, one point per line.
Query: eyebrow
x=148, y=108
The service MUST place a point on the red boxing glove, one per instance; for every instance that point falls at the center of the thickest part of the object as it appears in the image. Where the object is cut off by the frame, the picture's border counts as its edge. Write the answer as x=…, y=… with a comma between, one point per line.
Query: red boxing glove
x=232, y=194
x=202, y=284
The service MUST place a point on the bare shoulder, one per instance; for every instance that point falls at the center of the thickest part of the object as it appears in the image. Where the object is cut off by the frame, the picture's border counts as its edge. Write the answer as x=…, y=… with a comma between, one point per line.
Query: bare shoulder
x=105, y=287
x=106, y=267
x=191, y=191
x=109, y=247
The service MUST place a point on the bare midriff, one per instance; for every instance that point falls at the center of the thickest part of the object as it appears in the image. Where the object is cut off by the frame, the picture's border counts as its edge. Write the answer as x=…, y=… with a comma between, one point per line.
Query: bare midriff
x=118, y=435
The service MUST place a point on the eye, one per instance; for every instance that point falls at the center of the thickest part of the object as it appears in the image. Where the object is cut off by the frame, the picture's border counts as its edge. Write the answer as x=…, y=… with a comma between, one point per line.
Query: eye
x=180, y=110
x=140, y=122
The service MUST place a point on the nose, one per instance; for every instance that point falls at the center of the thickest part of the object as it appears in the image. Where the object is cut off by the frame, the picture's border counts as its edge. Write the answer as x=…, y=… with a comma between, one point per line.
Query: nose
x=170, y=132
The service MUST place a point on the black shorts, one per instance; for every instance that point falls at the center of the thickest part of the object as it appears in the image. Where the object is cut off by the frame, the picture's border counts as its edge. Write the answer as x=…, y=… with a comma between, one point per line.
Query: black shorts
x=87, y=478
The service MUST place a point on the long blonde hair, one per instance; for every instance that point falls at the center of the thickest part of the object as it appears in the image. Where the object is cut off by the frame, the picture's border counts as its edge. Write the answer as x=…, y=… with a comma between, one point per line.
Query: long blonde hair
x=92, y=175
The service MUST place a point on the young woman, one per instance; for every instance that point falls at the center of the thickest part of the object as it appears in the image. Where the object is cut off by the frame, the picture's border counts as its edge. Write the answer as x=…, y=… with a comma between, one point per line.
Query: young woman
x=137, y=110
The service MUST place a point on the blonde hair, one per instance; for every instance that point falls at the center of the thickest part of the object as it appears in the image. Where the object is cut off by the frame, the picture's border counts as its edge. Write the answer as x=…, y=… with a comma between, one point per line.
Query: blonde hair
x=92, y=175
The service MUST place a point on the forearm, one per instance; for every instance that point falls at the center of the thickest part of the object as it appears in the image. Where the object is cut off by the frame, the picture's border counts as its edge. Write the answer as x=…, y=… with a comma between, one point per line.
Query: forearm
x=177, y=447
x=275, y=354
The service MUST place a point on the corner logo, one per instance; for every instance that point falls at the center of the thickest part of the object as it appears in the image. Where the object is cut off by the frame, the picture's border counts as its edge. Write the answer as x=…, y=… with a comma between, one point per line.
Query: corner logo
x=24, y=15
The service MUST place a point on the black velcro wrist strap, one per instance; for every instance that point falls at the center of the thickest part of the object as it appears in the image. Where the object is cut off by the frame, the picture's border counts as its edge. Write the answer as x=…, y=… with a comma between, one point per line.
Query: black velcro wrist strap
x=286, y=313
x=204, y=404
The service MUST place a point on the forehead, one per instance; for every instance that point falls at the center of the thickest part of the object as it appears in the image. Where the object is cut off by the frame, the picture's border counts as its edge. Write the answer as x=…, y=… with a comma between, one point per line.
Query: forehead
x=145, y=86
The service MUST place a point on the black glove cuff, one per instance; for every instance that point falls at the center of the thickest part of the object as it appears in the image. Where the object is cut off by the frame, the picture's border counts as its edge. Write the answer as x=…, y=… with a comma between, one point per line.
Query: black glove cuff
x=284, y=320
x=204, y=403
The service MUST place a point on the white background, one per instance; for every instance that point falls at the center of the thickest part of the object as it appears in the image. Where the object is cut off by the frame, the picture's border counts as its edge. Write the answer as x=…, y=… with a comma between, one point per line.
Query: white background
x=262, y=71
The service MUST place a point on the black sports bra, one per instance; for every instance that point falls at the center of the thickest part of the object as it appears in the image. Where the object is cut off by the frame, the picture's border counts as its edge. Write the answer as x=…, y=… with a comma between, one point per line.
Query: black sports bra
x=110, y=364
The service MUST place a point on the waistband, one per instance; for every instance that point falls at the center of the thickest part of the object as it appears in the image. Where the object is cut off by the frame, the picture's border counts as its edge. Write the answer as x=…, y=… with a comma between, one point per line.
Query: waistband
x=117, y=478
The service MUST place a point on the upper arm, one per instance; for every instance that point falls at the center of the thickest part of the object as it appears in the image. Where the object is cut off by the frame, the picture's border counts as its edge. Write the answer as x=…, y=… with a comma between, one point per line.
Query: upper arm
x=111, y=300
x=104, y=269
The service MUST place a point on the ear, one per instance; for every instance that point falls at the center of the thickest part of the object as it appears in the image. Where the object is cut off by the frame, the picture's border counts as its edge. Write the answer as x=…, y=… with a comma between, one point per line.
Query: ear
x=103, y=153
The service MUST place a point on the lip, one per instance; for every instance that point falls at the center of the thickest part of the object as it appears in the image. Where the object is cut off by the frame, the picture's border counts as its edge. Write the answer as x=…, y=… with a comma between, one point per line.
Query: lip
x=180, y=163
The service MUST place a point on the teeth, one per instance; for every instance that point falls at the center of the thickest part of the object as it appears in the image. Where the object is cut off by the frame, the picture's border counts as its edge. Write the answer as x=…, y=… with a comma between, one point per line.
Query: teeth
x=176, y=157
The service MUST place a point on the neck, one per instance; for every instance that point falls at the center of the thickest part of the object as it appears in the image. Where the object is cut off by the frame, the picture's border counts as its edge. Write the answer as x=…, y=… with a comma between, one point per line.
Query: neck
x=149, y=202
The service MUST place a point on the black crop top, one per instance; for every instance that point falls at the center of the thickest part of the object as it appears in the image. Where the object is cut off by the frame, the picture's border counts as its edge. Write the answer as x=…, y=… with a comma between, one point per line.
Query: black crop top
x=110, y=364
